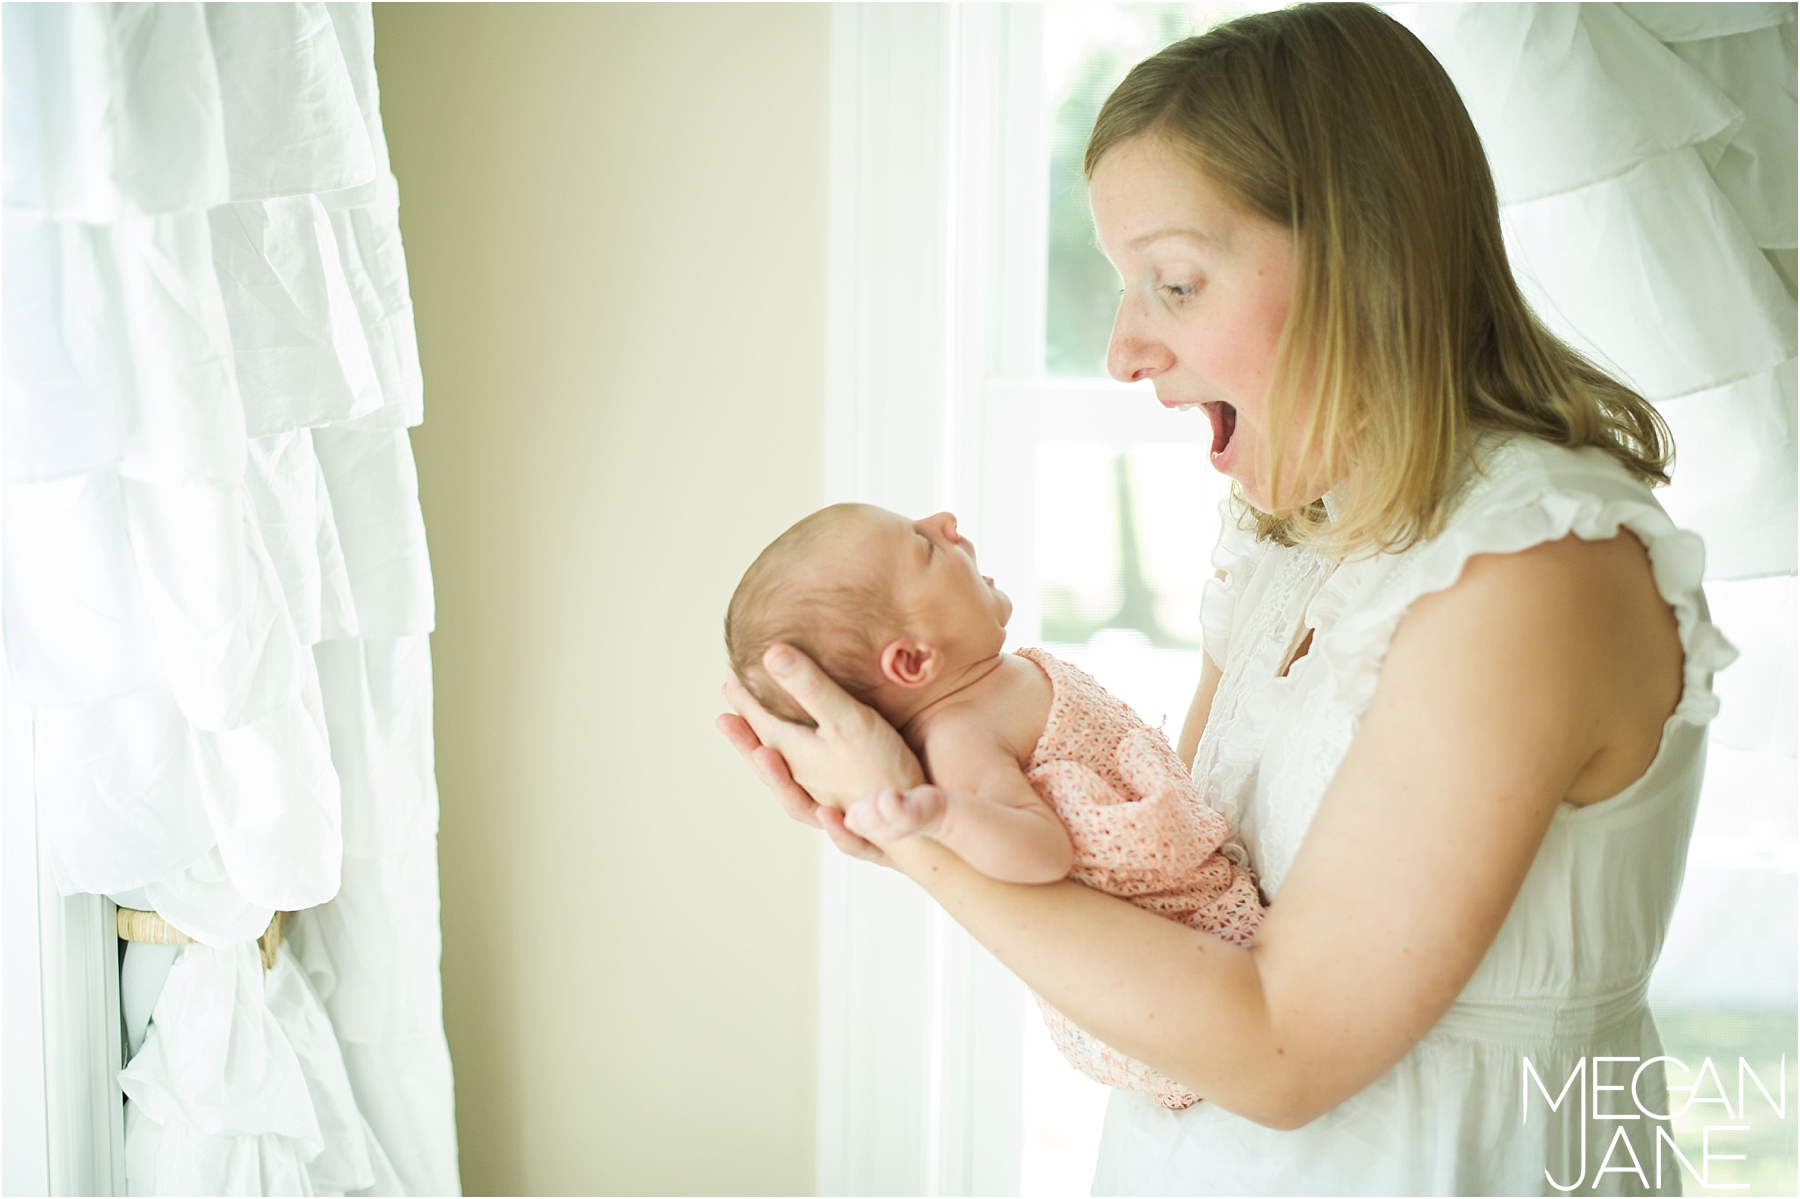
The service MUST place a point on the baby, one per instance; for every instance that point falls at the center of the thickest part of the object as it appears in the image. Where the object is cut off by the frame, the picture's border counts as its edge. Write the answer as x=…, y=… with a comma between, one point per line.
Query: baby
x=1039, y=774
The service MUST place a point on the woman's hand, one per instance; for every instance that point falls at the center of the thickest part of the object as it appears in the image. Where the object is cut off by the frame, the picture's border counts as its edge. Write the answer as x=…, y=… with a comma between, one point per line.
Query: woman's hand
x=772, y=769
x=817, y=773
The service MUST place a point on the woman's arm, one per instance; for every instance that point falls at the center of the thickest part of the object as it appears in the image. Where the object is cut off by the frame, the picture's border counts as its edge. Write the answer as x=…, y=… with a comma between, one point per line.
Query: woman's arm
x=1198, y=711
x=1494, y=696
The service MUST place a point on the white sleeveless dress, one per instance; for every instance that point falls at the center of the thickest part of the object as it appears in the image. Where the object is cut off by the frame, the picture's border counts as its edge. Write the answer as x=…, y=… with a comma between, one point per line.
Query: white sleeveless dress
x=1565, y=979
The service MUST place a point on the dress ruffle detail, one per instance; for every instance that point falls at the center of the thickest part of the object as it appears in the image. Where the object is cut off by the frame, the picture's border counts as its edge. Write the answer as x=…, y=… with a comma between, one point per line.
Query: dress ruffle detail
x=1233, y=556
x=1523, y=497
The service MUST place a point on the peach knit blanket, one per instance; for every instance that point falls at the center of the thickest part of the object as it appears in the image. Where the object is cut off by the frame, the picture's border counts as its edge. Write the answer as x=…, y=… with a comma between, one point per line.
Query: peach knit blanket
x=1141, y=832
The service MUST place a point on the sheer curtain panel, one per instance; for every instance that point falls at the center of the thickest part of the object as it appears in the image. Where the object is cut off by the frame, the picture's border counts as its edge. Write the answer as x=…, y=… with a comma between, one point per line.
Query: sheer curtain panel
x=216, y=590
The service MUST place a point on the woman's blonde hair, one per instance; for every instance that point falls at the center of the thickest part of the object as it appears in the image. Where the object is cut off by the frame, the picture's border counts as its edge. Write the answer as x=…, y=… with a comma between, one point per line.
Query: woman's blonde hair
x=1335, y=121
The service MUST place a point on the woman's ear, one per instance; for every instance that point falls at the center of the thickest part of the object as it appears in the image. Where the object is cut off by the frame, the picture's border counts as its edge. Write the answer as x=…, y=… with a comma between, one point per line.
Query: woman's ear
x=909, y=662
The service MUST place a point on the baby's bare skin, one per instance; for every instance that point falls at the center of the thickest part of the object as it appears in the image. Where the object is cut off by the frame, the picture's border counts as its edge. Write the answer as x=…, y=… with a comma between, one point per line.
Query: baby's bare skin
x=971, y=712
x=975, y=745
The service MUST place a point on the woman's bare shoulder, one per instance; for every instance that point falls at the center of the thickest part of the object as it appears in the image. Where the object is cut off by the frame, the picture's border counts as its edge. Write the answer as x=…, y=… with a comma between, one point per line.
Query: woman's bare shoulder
x=1577, y=625
x=1562, y=586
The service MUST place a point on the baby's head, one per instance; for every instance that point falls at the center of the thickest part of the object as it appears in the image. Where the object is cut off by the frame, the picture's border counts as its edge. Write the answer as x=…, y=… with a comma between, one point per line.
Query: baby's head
x=892, y=609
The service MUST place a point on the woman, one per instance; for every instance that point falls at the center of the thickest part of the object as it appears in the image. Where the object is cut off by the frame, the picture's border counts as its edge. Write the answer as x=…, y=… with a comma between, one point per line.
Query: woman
x=1457, y=679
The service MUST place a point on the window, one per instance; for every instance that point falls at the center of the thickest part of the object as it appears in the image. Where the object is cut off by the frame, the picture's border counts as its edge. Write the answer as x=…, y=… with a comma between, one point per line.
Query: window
x=969, y=319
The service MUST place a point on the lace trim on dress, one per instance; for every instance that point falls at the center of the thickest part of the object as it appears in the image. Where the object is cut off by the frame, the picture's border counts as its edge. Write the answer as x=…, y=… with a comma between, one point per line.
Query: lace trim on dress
x=1252, y=690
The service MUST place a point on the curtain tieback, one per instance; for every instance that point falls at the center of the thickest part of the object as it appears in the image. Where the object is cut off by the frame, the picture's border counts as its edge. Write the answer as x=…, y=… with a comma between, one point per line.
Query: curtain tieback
x=151, y=927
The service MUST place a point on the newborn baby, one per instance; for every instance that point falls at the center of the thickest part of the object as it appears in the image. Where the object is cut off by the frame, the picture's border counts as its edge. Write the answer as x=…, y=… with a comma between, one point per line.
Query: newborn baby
x=1038, y=774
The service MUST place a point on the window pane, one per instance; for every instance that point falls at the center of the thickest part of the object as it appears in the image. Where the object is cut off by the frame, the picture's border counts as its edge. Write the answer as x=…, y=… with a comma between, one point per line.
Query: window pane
x=1061, y=1111
x=1123, y=537
x=1724, y=989
x=1088, y=48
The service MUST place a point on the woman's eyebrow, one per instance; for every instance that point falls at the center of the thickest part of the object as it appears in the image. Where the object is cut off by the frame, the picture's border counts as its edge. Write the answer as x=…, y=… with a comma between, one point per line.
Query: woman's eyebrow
x=1169, y=233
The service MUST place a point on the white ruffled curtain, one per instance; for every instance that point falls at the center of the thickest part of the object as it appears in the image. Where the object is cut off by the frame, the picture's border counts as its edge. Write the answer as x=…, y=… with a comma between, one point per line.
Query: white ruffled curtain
x=216, y=589
x=1645, y=158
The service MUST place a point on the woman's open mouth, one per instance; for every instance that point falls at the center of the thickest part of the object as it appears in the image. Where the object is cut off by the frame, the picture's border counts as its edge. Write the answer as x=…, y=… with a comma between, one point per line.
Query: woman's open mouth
x=1224, y=424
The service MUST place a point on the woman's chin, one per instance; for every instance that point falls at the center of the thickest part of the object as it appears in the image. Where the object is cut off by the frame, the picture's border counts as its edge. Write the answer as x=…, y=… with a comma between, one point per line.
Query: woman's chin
x=1226, y=463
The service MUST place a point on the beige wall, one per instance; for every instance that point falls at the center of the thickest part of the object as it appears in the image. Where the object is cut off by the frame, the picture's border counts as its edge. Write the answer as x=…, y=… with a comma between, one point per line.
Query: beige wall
x=615, y=222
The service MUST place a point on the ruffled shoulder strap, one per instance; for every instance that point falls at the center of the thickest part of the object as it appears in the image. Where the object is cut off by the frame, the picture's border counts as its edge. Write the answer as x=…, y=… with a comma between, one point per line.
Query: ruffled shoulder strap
x=1234, y=559
x=1525, y=492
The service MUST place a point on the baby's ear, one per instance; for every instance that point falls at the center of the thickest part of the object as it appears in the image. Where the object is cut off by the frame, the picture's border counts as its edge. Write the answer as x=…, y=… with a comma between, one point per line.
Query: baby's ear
x=907, y=661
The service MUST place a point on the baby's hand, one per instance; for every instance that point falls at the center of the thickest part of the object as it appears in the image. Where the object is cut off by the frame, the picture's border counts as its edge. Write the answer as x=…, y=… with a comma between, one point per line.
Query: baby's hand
x=888, y=815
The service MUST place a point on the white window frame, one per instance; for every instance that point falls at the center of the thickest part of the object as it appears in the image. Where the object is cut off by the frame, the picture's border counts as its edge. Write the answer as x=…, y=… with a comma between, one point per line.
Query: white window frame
x=936, y=399
x=919, y=1028
x=61, y=1107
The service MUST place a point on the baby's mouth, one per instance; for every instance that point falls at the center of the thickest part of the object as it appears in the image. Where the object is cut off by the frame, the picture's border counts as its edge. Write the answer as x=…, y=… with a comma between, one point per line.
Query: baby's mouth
x=1224, y=424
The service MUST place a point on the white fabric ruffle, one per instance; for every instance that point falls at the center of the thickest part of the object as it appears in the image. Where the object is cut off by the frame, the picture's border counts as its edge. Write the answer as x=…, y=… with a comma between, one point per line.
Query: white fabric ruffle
x=1234, y=556
x=216, y=585
x=1528, y=494
x=240, y=1087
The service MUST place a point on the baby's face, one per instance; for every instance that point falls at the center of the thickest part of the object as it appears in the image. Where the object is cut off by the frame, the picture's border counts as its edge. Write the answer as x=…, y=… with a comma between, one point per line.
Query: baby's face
x=931, y=570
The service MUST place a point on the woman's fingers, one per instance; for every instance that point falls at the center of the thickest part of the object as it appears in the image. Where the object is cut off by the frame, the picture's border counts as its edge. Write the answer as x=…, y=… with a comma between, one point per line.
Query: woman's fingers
x=851, y=751
x=737, y=730
x=816, y=692
x=768, y=729
x=770, y=767
x=790, y=795
x=741, y=730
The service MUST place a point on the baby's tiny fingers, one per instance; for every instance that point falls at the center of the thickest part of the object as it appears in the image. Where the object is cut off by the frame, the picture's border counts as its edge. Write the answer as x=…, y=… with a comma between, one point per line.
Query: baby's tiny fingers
x=924, y=806
x=869, y=816
x=891, y=805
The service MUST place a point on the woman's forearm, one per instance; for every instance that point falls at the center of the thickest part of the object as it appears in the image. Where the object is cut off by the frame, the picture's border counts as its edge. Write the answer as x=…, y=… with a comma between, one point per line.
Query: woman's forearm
x=1410, y=863
x=1182, y=1001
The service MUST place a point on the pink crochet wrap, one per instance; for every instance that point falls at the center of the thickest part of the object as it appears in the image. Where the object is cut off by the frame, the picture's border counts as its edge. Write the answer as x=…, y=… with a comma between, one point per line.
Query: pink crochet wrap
x=1141, y=832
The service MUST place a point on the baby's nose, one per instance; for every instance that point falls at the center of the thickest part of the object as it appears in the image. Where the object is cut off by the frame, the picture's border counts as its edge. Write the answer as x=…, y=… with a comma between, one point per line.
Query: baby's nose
x=954, y=535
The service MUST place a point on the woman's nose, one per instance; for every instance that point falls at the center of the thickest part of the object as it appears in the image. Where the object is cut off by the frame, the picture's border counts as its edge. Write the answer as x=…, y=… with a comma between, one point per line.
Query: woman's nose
x=1132, y=354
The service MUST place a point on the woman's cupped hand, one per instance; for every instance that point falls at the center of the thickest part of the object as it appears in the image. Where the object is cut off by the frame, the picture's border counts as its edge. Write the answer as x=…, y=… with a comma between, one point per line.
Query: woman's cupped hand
x=817, y=773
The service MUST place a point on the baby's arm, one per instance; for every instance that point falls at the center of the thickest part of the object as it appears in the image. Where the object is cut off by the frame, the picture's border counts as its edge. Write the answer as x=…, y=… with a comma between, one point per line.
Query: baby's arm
x=979, y=807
